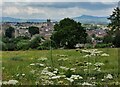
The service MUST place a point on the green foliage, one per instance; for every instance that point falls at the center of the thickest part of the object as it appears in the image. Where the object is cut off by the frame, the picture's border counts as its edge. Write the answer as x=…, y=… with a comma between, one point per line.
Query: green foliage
x=115, y=20
x=89, y=39
x=33, y=30
x=108, y=39
x=9, y=32
x=3, y=46
x=23, y=45
x=35, y=41
x=103, y=45
x=46, y=45
x=68, y=33
x=11, y=46
x=116, y=40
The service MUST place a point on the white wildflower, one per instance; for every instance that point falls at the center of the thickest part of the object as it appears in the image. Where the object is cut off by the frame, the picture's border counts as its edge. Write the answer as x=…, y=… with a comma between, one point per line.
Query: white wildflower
x=92, y=78
x=32, y=71
x=55, y=77
x=62, y=59
x=13, y=82
x=102, y=79
x=37, y=82
x=55, y=72
x=56, y=69
x=89, y=63
x=17, y=75
x=104, y=54
x=87, y=56
x=76, y=77
x=32, y=64
x=43, y=59
x=64, y=68
x=87, y=84
x=60, y=82
x=99, y=64
x=69, y=79
x=97, y=69
x=85, y=69
x=109, y=76
x=23, y=74
x=62, y=76
x=4, y=82
x=63, y=55
x=50, y=74
x=41, y=64
x=73, y=69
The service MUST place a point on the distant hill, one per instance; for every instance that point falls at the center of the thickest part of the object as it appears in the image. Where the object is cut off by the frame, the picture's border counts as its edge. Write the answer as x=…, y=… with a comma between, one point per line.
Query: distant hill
x=10, y=19
x=83, y=19
x=91, y=19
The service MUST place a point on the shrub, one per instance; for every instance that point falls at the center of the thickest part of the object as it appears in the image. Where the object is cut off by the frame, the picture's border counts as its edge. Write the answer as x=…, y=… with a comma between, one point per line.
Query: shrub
x=103, y=45
x=35, y=41
x=23, y=45
x=46, y=45
x=11, y=46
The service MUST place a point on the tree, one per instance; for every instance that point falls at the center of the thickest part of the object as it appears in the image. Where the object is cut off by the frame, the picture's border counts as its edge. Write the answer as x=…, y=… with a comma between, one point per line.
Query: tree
x=68, y=33
x=33, y=30
x=115, y=26
x=116, y=40
x=35, y=41
x=9, y=32
x=115, y=20
x=108, y=39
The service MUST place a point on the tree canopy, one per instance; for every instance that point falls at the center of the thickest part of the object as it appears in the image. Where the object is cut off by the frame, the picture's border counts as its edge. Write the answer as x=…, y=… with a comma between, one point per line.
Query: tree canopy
x=33, y=30
x=115, y=26
x=115, y=20
x=9, y=32
x=67, y=33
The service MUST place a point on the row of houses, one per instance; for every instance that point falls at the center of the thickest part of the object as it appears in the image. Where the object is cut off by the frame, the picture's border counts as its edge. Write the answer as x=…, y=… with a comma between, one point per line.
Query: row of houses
x=21, y=29
x=45, y=29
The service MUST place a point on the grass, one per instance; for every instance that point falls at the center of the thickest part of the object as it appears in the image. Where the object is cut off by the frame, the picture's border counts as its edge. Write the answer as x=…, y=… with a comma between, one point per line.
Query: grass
x=18, y=62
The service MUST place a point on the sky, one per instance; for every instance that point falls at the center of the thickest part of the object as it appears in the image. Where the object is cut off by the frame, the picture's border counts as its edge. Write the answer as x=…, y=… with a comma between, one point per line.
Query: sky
x=56, y=9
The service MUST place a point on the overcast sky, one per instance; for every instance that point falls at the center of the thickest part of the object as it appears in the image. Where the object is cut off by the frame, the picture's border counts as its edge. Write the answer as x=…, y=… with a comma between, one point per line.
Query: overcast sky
x=55, y=9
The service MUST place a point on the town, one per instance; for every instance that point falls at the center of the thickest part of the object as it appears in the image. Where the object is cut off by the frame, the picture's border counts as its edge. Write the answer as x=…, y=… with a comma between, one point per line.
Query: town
x=46, y=29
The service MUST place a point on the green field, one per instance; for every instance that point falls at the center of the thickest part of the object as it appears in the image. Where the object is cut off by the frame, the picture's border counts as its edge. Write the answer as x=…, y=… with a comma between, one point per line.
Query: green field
x=26, y=67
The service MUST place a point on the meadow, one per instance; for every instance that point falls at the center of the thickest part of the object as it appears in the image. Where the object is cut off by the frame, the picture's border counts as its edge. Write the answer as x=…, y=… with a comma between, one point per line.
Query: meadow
x=91, y=67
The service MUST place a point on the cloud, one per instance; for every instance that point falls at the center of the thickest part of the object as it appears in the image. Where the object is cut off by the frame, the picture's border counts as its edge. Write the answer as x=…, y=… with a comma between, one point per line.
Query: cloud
x=85, y=5
x=61, y=0
x=11, y=10
x=57, y=10
x=42, y=12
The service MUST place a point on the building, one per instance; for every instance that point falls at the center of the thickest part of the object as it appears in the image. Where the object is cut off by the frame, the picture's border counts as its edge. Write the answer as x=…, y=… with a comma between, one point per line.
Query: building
x=21, y=29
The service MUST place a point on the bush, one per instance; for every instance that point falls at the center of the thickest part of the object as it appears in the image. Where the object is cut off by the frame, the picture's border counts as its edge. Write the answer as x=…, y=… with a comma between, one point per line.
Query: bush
x=11, y=46
x=103, y=45
x=46, y=45
x=35, y=41
x=23, y=45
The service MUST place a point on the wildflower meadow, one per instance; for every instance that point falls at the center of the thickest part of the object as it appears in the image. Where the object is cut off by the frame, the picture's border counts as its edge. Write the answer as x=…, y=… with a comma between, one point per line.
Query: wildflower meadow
x=85, y=67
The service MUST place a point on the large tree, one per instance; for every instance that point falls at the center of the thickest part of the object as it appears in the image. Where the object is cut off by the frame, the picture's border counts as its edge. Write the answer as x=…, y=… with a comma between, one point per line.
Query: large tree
x=33, y=30
x=9, y=32
x=115, y=26
x=115, y=20
x=67, y=33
